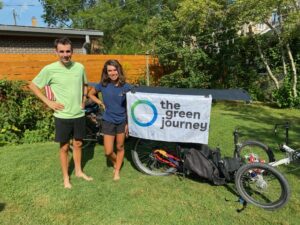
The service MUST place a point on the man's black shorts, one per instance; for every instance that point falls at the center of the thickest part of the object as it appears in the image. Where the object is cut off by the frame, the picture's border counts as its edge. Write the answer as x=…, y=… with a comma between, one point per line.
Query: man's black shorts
x=112, y=129
x=65, y=129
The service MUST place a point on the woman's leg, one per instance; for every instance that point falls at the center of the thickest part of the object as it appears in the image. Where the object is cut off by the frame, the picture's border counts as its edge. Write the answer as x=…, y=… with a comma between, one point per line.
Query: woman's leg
x=109, y=148
x=120, y=138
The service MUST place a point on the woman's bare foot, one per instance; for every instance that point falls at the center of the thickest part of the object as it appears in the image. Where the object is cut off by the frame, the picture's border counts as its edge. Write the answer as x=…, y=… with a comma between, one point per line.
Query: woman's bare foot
x=116, y=175
x=67, y=183
x=84, y=176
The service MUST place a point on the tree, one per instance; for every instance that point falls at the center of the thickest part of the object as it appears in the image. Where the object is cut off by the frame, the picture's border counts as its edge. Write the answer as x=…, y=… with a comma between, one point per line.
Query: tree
x=62, y=13
x=285, y=22
x=178, y=36
x=122, y=22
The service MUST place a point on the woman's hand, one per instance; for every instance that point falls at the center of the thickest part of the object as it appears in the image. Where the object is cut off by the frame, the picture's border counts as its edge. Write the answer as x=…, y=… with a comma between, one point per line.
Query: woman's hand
x=102, y=105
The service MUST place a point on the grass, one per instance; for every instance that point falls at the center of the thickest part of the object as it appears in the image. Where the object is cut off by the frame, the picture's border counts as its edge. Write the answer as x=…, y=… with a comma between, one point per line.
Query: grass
x=31, y=190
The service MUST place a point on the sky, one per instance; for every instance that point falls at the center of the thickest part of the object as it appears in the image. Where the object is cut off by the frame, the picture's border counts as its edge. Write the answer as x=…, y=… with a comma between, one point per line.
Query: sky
x=24, y=9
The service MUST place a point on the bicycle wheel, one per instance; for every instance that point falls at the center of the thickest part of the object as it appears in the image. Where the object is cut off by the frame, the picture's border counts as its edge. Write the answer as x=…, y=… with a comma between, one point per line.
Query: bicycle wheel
x=262, y=185
x=143, y=156
x=254, y=151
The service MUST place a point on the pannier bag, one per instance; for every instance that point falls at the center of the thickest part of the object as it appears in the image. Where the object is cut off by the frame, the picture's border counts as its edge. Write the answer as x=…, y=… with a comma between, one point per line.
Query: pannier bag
x=204, y=162
x=228, y=166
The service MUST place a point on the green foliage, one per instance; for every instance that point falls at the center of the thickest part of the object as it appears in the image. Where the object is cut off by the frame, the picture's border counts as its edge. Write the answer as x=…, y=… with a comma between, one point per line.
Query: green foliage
x=189, y=69
x=184, y=63
x=283, y=96
x=22, y=113
x=63, y=13
x=122, y=22
x=34, y=136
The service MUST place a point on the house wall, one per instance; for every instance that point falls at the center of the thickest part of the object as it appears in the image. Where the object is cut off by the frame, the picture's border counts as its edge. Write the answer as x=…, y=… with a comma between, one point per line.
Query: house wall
x=27, y=66
x=33, y=45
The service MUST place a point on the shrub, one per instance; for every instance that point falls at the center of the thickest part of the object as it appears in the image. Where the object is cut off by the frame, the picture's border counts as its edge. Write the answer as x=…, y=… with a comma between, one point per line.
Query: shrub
x=22, y=115
x=284, y=98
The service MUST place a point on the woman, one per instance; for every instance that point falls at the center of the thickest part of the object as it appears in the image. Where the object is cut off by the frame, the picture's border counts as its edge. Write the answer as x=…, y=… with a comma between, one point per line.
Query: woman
x=114, y=125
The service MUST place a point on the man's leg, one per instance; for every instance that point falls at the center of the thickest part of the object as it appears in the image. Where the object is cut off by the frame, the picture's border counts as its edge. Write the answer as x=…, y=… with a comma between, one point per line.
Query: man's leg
x=120, y=138
x=77, y=153
x=63, y=130
x=64, y=161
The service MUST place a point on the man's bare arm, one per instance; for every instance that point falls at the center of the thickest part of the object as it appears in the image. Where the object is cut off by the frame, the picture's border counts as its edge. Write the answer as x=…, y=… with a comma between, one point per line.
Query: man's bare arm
x=53, y=105
x=85, y=91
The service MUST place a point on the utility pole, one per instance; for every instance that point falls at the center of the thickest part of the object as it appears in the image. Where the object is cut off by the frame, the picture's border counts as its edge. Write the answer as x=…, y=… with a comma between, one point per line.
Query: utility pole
x=15, y=16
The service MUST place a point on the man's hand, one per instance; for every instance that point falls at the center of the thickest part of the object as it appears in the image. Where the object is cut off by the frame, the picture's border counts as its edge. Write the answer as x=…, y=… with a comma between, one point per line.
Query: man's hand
x=51, y=104
x=55, y=105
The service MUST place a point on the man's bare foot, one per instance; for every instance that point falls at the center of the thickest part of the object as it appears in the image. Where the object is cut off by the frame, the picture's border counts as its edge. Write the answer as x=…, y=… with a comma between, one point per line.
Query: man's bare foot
x=116, y=175
x=67, y=184
x=83, y=176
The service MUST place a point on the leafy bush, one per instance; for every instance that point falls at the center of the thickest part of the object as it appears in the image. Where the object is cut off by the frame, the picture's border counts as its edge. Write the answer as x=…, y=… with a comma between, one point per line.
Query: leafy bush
x=23, y=118
x=284, y=98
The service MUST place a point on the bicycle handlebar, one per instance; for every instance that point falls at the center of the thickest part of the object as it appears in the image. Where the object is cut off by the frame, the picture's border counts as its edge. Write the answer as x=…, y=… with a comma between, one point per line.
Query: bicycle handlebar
x=286, y=125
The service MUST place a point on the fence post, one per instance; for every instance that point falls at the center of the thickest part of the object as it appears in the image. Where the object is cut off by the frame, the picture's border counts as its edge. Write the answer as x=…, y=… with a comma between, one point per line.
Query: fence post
x=147, y=69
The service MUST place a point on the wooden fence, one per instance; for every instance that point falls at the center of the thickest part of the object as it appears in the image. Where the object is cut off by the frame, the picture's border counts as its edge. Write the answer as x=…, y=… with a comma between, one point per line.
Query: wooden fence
x=27, y=66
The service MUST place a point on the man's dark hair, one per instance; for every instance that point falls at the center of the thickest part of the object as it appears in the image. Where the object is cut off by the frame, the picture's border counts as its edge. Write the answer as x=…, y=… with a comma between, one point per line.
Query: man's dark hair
x=63, y=41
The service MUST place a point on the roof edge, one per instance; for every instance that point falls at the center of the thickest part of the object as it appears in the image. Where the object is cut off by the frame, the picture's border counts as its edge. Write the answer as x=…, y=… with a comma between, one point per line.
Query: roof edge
x=47, y=30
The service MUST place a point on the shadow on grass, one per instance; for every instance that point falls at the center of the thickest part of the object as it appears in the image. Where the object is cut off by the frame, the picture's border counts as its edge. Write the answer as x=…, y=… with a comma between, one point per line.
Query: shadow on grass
x=87, y=155
x=129, y=145
x=261, y=115
x=294, y=168
x=230, y=187
x=2, y=206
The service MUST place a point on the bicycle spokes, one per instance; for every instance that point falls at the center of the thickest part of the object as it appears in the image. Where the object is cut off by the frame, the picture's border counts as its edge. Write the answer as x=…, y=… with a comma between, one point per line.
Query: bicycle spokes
x=262, y=185
x=164, y=157
x=155, y=157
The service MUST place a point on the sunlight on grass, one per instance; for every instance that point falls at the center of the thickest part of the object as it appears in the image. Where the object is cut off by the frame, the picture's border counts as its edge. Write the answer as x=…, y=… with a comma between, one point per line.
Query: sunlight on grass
x=32, y=190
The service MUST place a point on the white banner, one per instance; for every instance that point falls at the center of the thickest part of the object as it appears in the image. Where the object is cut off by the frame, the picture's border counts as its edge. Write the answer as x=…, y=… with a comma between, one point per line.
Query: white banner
x=169, y=117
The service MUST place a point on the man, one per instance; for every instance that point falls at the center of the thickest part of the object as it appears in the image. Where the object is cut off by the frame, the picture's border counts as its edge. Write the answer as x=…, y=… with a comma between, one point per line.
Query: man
x=68, y=83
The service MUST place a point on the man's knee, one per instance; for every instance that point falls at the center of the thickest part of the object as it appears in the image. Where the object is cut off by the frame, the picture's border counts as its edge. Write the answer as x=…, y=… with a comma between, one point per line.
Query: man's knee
x=77, y=143
x=64, y=147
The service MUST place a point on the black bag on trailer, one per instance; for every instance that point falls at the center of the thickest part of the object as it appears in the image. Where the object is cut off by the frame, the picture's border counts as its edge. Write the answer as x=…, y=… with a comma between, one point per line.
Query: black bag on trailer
x=204, y=162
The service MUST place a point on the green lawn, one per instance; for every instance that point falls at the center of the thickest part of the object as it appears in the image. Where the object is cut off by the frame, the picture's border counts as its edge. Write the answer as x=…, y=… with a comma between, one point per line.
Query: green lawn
x=31, y=188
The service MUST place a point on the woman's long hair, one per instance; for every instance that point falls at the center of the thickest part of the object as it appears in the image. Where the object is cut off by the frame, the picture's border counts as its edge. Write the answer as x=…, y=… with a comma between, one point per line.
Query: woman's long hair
x=105, y=78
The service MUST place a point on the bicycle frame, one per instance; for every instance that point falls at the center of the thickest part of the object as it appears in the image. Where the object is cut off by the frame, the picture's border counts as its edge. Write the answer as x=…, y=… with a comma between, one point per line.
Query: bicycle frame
x=290, y=152
x=291, y=155
x=236, y=140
